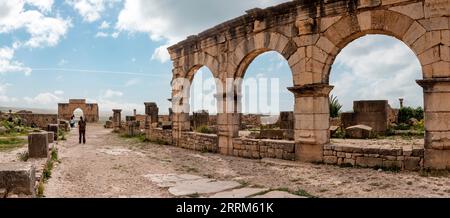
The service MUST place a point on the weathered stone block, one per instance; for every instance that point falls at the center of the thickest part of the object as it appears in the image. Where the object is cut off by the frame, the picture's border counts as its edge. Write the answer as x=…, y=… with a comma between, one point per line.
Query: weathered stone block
x=38, y=145
x=369, y=161
x=412, y=163
x=437, y=159
x=359, y=132
x=18, y=178
x=309, y=153
x=55, y=129
x=330, y=159
x=51, y=137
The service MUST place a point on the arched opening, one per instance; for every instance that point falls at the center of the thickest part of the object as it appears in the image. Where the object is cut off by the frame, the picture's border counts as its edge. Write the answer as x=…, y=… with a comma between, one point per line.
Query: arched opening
x=77, y=114
x=203, y=101
x=266, y=104
x=376, y=100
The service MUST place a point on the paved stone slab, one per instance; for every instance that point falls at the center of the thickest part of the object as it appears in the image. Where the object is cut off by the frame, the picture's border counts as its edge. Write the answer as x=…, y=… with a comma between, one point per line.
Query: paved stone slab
x=278, y=194
x=170, y=180
x=239, y=193
x=202, y=186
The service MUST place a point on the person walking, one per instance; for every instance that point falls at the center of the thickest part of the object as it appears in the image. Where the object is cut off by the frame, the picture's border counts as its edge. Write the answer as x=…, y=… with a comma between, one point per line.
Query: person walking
x=82, y=130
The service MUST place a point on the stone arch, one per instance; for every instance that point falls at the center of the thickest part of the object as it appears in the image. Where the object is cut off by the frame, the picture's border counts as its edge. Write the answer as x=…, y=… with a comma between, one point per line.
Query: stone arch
x=384, y=22
x=90, y=111
x=253, y=46
x=197, y=61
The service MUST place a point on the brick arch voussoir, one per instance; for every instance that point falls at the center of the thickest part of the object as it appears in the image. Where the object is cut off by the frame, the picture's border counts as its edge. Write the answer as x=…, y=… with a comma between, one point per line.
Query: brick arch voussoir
x=251, y=47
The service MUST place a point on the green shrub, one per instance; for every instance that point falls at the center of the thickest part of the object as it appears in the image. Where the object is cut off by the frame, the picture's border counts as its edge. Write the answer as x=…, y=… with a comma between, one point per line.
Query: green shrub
x=407, y=113
x=335, y=107
x=204, y=129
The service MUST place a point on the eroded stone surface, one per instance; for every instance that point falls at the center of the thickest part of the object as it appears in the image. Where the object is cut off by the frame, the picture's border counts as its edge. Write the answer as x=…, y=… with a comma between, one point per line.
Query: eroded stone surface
x=278, y=194
x=201, y=186
x=239, y=193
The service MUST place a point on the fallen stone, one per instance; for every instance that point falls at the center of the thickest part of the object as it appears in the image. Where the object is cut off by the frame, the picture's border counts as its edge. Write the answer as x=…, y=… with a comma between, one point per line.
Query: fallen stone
x=17, y=178
x=359, y=132
x=278, y=194
x=201, y=186
x=239, y=193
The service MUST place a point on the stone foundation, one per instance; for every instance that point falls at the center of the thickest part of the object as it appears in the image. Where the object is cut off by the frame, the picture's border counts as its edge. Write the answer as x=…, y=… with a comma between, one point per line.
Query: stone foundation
x=257, y=149
x=199, y=142
x=405, y=158
x=38, y=145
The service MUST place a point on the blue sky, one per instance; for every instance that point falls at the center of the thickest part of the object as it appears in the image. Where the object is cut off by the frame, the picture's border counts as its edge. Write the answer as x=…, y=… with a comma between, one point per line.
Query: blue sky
x=114, y=52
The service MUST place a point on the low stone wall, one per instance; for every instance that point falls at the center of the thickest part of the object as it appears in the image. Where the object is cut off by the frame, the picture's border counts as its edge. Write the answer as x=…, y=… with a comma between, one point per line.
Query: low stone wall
x=257, y=149
x=405, y=158
x=160, y=135
x=199, y=142
x=40, y=120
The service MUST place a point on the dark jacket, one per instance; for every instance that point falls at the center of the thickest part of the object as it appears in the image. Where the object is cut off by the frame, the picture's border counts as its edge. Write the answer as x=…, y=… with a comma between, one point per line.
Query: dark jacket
x=82, y=125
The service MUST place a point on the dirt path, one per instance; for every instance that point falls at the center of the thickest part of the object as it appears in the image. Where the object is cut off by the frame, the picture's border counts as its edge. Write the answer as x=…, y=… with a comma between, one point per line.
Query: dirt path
x=110, y=166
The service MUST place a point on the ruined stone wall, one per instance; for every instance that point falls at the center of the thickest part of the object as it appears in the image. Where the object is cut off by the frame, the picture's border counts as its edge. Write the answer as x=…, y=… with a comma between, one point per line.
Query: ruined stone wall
x=309, y=35
x=199, y=142
x=141, y=119
x=159, y=135
x=257, y=149
x=40, y=120
x=406, y=158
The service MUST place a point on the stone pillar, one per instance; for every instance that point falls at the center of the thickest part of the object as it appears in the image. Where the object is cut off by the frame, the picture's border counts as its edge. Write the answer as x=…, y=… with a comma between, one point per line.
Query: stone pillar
x=134, y=112
x=55, y=129
x=312, y=121
x=437, y=122
x=117, y=119
x=228, y=121
x=152, y=110
x=51, y=137
x=38, y=145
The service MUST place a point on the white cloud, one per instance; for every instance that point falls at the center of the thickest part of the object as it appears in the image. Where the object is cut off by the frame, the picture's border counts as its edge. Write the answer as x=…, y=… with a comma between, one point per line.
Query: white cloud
x=101, y=35
x=115, y=35
x=111, y=94
x=3, y=97
x=172, y=20
x=43, y=99
x=63, y=62
x=43, y=30
x=132, y=82
x=91, y=10
x=377, y=67
x=43, y=5
x=9, y=65
x=58, y=92
x=104, y=25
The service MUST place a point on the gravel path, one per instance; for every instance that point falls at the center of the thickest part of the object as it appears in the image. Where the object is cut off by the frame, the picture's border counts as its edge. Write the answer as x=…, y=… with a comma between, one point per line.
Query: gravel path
x=110, y=166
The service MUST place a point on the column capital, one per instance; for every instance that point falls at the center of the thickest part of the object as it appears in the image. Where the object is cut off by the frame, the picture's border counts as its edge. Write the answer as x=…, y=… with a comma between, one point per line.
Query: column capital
x=117, y=110
x=429, y=84
x=312, y=90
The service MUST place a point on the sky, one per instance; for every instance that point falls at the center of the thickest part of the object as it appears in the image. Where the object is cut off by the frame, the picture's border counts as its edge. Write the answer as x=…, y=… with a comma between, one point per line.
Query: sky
x=113, y=52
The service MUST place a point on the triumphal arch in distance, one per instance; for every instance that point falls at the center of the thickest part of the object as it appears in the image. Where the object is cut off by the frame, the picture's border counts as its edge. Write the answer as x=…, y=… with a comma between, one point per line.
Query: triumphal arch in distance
x=90, y=110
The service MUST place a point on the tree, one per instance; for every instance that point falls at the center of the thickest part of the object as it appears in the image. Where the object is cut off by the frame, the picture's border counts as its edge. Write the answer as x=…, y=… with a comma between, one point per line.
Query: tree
x=335, y=107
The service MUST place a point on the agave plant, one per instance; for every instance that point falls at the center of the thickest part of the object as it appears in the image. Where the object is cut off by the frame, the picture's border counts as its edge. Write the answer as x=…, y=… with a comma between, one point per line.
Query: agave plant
x=335, y=107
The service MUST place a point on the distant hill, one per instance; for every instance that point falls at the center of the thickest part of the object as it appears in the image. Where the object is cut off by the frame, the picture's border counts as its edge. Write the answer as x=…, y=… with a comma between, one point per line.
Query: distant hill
x=35, y=110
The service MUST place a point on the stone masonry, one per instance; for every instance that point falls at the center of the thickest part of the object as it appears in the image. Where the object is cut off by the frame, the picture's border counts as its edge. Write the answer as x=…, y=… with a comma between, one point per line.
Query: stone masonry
x=309, y=35
x=90, y=111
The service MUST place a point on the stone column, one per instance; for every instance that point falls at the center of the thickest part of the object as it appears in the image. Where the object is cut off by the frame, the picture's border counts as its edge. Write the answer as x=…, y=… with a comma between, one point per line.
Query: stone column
x=437, y=122
x=117, y=119
x=152, y=110
x=228, y=120
x=312, y=121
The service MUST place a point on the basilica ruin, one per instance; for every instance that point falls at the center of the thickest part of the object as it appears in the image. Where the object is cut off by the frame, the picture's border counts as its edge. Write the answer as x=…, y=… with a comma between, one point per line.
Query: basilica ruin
x=310, y=34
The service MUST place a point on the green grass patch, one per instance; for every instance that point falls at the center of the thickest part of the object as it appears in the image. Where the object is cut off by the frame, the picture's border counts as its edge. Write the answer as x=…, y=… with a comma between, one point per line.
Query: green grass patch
x=23, y=156
x=10, y=143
